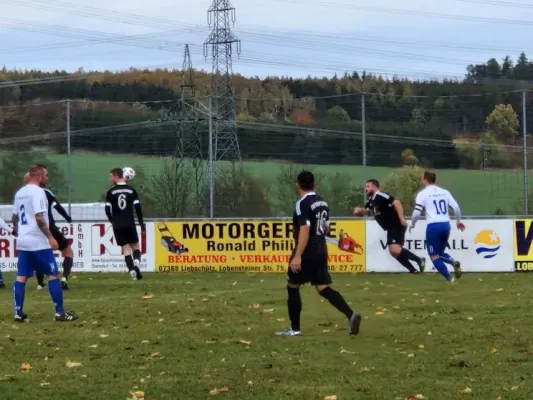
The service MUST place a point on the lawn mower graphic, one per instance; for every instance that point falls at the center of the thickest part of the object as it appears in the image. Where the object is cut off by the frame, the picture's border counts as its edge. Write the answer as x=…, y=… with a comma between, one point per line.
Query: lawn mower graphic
x=169, y=242
x=346, y=243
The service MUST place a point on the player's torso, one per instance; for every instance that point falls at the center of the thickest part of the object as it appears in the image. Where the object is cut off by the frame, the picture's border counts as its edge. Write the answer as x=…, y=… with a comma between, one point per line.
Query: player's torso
x=30, y=237
x=384, y=214
x=436, y=205
x=122, y=197
x=318, y=210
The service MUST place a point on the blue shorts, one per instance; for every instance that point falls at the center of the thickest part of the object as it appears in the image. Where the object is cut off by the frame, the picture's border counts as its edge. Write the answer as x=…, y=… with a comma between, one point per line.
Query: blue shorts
x=42, y=261
x=437, y=235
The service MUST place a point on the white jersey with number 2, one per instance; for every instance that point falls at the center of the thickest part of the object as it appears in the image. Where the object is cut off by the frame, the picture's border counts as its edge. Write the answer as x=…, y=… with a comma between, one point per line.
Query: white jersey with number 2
x=436, y=202
x=29, y=201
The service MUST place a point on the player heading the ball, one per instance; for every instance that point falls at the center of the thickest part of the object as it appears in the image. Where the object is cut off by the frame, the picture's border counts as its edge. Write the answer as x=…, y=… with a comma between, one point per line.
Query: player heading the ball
x=121, y=200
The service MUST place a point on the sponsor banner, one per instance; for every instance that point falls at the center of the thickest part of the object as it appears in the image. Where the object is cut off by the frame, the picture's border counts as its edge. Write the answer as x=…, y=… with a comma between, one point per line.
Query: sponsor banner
x=93, y=245
x=523, y=249
x=249, y=246
x=485, y=246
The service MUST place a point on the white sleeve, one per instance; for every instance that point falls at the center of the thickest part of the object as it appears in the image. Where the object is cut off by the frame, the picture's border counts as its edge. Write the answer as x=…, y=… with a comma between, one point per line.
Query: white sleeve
x=39, y=202
x=420, y=202
x=456, y=209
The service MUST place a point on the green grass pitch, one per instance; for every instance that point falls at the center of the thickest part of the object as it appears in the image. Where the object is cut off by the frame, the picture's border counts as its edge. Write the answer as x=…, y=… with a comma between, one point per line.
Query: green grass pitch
x=478, y=192
x=197, y=332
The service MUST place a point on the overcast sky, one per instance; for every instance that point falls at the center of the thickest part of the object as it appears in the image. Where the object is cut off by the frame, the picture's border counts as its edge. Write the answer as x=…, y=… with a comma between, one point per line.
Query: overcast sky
x=414, y=38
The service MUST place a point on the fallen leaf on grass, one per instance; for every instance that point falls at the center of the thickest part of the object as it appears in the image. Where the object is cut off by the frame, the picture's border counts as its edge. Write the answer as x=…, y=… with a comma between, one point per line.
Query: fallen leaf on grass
x=423, y=300
x=380, y=313
x=466, y=390
x=250, y=383
x=268, y=310
x=72, y=364
x=94, y=346
x=514, y=387
x=470, y=318
x=332, y=397
x=25, y=367
x=136, y=396
x=145, y=342
x=104, y=336
x=410, y=355
x=346, y=351
x=420, y=346
x=43, y=384
x=500, y=290
x=147, y=296
x=157, y=354
x=493, y=350
x=216, y=391
x=429, y=333
x=281, y=320
x=245, y=342
x=205, y=300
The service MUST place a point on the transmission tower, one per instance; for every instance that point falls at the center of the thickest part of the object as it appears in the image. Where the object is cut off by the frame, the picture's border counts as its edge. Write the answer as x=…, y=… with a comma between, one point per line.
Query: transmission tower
x=221, y=16
x=189, y=115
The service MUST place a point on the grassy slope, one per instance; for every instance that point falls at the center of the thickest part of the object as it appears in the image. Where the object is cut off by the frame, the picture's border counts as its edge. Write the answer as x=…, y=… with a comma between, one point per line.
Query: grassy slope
x=432, y=339
x=479, y=193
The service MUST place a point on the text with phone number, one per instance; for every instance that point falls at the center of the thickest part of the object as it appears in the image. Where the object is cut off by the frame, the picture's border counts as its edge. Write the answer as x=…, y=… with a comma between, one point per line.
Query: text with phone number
x=266, y=268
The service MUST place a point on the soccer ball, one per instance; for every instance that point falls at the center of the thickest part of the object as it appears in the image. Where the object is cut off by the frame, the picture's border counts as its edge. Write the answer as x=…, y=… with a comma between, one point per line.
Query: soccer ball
x=129, y=173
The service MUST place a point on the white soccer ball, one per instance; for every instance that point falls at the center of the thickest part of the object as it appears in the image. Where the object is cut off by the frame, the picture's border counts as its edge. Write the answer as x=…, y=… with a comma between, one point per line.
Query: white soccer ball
x=129, y=173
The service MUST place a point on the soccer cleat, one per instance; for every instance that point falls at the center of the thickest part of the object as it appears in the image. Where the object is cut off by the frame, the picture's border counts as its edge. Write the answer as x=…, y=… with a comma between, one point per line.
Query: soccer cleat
x=289, y=332
x=40, y=287
x=21, y=318
x=457, y=269
x=355, y=323
x=138, y=273
x=452, y=280
x=422, y=265
x=64, y=283
x=133, y=275
x=67, y=316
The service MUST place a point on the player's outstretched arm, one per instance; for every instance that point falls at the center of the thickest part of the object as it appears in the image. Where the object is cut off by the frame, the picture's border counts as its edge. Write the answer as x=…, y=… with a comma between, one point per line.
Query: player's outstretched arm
x=59, y=208
x=417, y=212
x=457, y=211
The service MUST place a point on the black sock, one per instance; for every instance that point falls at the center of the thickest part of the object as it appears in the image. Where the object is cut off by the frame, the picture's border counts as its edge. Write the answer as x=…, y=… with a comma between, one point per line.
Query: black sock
x=129, y=262
x=294, y=304
x=410, y=256
x=402, y=259
x=40, y=278
x=337, y=301
x=137, y=255
x=67, y=266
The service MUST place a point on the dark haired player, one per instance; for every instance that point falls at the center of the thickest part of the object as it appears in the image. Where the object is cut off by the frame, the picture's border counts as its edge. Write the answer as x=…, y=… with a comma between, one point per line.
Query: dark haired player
x=309, y=260
x=388, y=213
x=63, y=244
x=121, y=199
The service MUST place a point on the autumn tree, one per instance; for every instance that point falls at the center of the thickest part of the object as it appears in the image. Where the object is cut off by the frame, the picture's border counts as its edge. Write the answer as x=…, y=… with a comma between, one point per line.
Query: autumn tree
x=502, y=123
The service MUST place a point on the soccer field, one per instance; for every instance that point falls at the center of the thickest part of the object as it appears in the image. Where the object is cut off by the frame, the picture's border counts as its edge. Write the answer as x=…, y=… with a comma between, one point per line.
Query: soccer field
x=192, y=333
x=498, y=189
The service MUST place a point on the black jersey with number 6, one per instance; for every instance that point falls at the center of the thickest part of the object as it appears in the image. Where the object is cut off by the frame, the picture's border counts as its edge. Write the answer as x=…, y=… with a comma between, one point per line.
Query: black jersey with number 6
x=312, y=210
x=121, y=199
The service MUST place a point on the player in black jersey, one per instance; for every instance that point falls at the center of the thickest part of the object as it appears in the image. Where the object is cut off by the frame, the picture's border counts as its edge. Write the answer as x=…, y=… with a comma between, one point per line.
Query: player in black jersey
x=63, y=244
x=121, y=200
x=388, y=213
x=309, y=259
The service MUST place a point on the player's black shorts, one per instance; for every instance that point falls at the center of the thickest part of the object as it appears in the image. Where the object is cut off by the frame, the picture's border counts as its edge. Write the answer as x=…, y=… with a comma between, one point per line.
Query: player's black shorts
x=59, y=237
x=314, y=271
x=126, y=235
x=396, y=235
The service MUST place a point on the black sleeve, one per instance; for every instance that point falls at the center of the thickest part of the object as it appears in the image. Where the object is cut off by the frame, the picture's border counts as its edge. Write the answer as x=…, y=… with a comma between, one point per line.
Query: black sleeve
x=138, y=208
x=59, y=208
x=303, y=213
x=108, y=202
x=385, y=199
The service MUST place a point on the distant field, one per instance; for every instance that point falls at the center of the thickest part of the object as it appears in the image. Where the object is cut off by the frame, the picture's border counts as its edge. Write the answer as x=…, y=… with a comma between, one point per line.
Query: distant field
x=479, y=192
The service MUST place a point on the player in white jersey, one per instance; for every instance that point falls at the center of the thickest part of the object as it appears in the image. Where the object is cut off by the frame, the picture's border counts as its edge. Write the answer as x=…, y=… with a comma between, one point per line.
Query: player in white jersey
x=34, y=244
x=436, y=202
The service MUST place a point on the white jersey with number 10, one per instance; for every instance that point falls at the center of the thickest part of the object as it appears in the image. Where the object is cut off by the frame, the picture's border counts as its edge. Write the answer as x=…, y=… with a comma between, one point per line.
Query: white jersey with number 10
x=29, y=201
x=436, y=202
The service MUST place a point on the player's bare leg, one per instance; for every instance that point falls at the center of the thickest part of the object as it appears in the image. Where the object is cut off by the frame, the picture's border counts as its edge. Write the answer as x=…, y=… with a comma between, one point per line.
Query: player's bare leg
x=136, y=259
x=337, y=301
x=67, y=266
x=126, y=251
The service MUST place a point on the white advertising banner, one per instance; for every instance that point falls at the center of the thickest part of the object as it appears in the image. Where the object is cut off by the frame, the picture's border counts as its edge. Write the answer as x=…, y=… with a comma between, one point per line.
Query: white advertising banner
x=485, y=246
x=93, y=245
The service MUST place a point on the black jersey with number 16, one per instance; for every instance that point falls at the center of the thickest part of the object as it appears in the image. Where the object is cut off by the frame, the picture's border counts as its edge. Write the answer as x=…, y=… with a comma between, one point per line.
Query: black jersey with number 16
x=121, y=198
x=312, y=210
